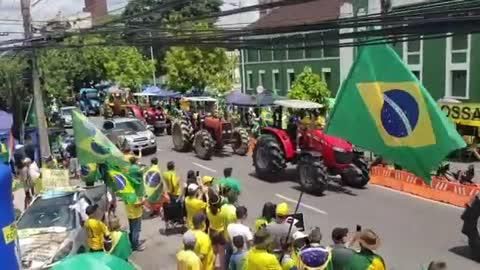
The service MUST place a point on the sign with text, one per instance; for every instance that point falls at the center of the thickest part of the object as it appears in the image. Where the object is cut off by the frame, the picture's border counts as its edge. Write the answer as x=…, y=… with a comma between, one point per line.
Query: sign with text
x=55, y=178
x=462, y=113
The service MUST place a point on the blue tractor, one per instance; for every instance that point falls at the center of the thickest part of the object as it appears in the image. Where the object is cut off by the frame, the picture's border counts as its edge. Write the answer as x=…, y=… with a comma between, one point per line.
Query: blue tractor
x=90, y=101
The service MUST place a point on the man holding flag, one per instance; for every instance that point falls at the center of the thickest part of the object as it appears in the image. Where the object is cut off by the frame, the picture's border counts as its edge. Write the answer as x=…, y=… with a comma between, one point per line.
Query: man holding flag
x=153, y=186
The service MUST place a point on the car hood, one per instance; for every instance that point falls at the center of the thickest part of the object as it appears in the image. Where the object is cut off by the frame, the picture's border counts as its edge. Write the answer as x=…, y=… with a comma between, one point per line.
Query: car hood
x=38, y=247
x=134, y=135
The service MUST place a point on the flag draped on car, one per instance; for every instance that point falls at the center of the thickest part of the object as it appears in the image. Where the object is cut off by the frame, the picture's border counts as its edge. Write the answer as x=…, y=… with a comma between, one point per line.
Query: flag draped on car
x=382, y=107
x=92, y=145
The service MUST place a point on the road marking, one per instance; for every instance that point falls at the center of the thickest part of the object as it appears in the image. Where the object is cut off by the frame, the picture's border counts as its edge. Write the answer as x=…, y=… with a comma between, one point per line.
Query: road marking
x=302, y=204
x=204, y=167
x=136, y=266
x=418, y=197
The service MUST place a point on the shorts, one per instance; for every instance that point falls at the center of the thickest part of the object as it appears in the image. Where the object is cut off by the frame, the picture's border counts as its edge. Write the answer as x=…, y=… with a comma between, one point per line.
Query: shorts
x=218, y=238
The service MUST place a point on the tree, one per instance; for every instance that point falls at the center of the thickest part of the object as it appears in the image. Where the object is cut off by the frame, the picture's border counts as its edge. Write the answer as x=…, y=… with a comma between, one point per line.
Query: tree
x=310, y=86
x=191, y=67
x=161, y=19
x=63, y=69
x=12, y=88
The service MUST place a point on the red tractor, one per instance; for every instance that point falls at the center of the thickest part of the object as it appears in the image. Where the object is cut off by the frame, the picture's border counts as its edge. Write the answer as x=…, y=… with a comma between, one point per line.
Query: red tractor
x=198, y=128
x=318, y=156
x=155, y=116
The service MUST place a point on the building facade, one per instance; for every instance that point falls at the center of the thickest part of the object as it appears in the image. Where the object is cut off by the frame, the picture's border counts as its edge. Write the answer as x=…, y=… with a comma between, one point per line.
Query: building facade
x=276, y=68
x=447, y=67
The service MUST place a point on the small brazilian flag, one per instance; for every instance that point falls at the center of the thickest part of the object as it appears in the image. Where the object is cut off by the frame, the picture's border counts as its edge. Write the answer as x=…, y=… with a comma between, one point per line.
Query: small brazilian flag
x=124, y=185
x=383, y=108
x=153, y=184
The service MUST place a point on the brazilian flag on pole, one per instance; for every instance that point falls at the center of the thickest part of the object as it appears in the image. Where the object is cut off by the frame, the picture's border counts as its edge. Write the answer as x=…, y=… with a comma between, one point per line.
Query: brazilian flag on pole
x=153, y=184
x=383, y=108
x=124, y=185
x=92, y=145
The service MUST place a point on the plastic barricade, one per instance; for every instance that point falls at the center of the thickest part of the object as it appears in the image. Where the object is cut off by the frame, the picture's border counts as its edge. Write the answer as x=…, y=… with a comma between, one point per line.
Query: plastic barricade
x=439, y=189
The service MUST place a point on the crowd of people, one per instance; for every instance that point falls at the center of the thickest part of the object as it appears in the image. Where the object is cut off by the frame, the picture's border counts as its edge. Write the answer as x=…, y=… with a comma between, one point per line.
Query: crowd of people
x=218, y=236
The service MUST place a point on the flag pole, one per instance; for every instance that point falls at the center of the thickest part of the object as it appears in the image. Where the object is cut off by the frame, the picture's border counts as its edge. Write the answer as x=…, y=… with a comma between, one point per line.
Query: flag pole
x=291, y=223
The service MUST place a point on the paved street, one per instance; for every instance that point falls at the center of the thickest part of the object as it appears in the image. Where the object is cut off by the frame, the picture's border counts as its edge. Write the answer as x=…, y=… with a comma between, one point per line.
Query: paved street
x=413, y=231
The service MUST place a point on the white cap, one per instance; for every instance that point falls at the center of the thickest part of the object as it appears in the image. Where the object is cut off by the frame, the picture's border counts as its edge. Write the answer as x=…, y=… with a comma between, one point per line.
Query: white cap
x=299, y=235
x=192, y=187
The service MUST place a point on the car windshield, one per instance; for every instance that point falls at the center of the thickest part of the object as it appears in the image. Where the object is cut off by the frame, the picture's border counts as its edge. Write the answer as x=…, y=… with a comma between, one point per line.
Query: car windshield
x=92, y=94
x=135, y=126
x=67, y=111
x=51, y=212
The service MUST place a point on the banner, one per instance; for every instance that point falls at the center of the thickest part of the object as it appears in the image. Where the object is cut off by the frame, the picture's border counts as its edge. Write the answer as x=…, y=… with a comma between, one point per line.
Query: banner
x=55, y=179
x=462, y=113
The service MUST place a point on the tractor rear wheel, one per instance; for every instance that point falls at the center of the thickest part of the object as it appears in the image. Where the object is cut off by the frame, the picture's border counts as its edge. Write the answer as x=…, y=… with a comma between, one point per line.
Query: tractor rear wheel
x=182, y=135
x=471, y=226
x=240, y=143
x=268, y=157
x=360, y=178
x=203, y=144
x=312, y=174
x=169, y=128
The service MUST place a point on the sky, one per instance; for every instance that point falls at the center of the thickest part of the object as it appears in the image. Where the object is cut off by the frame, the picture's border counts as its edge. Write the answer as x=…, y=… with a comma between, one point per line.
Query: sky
x=48, y=9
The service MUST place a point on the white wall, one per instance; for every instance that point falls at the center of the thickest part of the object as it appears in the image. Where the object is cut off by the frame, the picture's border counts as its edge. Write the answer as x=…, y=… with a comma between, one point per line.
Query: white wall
x=241, y=19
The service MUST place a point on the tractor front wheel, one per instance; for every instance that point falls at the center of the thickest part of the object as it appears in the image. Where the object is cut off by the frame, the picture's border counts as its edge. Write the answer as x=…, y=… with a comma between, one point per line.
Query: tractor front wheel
x=181, y=135
x=268, y=157
x=312, y=174
x=203, y=144
x=358, y=175
x=240, y=143
x=471, y=226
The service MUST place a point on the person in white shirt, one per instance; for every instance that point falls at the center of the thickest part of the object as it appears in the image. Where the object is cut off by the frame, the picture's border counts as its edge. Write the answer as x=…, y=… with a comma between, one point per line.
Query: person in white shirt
x=239, y=228
x=28, y=175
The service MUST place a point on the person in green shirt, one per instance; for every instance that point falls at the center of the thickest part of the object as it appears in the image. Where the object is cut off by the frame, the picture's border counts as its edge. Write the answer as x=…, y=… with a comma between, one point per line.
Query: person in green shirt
x=366, y=258
x=120, y=244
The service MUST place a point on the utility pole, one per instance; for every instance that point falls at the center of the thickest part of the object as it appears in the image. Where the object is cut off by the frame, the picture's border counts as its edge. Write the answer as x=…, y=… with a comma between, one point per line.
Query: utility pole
x=37, y=92
x=153, y=60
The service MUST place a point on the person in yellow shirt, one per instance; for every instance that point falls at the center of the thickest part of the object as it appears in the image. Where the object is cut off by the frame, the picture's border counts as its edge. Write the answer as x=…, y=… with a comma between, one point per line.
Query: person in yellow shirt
x=134, y=215
x=96, y=230
x=172, y=182
x=217, y=227
x=193, y=204
x=203, y=246
x=186, y=258
x=258, y=258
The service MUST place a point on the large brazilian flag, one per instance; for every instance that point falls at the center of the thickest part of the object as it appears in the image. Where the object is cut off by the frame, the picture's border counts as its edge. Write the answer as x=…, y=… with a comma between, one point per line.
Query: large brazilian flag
x=92, y=145
x=383, y=108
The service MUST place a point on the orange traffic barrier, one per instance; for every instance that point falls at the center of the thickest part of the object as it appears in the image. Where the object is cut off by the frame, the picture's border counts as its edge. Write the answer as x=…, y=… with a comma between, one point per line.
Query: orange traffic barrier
x=440, y=189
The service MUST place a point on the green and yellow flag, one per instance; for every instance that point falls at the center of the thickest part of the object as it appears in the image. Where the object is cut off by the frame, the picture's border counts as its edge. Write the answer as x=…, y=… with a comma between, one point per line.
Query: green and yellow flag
x=92, y=145
x=124, y=185
x=383, y=108
x=153, y=184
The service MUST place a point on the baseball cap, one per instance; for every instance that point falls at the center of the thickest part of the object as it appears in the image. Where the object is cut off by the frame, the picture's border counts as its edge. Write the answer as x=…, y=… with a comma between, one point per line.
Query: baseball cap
x=192, y=188
x=339, y=233
x=189, y=238
x=299, y=235
x=282, y=209
x=91, y=209
x=207, y=179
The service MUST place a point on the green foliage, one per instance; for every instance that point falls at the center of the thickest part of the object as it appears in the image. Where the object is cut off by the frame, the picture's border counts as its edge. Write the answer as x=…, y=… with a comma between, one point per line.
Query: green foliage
x=310, y=86
x=63, y=69
x=191, y=67
x=162, y=19
x=11, y=76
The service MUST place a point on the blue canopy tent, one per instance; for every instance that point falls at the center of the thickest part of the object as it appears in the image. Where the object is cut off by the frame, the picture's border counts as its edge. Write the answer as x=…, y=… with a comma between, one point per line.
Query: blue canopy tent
x=264, y=99
x=156, y=91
